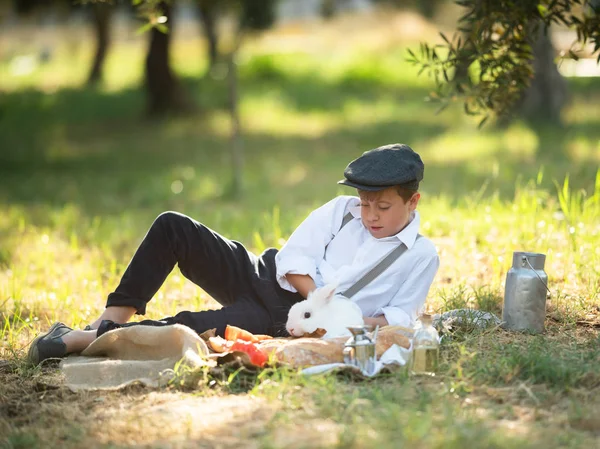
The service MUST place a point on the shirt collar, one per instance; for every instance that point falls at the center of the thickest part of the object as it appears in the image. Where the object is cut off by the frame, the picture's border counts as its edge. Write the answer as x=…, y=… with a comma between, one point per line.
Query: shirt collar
x=408, y=235
x=355, y=210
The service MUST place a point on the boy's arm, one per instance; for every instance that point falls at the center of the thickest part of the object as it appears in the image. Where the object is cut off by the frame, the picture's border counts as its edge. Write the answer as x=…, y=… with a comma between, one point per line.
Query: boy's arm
x=376, y=321
x=301, y=282
x=305, y=248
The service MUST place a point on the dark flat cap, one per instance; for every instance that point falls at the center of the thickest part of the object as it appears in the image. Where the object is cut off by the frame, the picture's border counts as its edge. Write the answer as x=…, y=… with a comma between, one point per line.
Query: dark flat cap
x=386, y=166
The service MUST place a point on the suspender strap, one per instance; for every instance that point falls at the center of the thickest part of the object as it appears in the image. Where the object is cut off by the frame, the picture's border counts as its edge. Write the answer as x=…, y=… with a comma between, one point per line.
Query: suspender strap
x=346, y=219
x=379, y=268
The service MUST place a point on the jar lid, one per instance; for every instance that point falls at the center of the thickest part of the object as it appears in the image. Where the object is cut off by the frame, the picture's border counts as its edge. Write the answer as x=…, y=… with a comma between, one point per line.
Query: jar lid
x=426, y=318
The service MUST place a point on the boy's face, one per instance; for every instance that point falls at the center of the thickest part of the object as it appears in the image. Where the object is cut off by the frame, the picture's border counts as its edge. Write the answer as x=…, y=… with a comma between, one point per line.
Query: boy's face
x=385, y=213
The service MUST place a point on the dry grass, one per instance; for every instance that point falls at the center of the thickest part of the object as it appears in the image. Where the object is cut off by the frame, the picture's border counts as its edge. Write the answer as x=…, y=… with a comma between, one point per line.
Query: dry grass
x=284, y=410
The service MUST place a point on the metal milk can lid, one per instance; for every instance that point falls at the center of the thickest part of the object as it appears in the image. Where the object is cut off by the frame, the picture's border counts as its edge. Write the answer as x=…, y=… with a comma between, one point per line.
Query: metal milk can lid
x=524, y=259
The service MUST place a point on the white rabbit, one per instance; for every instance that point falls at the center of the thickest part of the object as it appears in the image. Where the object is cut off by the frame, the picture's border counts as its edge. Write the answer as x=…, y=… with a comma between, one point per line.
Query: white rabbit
x=323, y=309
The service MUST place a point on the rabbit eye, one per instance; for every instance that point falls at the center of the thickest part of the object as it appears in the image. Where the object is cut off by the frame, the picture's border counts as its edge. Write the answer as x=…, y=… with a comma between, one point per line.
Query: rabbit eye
x=306, y=314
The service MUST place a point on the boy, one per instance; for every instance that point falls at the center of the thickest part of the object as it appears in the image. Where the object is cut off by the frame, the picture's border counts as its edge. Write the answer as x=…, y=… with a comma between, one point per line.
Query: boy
x=339, y=242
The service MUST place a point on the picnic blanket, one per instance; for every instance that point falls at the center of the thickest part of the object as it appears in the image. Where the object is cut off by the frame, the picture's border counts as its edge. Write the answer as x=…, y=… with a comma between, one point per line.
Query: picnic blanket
x=148, y=355
x=137, y=354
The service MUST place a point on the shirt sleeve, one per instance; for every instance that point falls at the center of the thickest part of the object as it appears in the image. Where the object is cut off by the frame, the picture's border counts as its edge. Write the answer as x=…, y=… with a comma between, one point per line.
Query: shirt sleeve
x=305, y=248
x=406, y=304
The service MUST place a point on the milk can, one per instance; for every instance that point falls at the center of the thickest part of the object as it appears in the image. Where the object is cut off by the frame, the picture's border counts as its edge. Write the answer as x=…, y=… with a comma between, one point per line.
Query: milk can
x=359, y=350
x=525, y=293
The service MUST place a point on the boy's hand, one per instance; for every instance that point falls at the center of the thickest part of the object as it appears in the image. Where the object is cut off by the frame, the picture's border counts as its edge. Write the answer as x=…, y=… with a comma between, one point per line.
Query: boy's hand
x=378, y=320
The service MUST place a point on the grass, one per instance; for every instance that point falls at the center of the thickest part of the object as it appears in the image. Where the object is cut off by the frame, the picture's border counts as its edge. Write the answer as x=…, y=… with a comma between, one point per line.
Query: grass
x=82, y=176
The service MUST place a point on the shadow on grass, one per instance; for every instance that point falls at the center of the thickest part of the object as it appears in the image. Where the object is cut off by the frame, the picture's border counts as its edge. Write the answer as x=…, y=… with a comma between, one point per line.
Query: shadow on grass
x=93, y=149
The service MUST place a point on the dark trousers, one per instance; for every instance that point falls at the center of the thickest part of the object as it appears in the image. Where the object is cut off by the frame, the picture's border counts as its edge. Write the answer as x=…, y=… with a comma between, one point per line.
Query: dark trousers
x=243, y=283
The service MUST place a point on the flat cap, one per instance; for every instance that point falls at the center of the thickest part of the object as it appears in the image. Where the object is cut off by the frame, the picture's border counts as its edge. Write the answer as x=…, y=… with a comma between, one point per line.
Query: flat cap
x=383, y=167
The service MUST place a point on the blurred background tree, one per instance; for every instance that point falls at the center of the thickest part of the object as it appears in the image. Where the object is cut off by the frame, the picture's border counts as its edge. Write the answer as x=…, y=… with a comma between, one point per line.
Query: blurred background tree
x=208, y=80
x=208, y=11
x=427, y=8
x=502, y=60
x=101, y=12
x=249, y=16
x=165, y=93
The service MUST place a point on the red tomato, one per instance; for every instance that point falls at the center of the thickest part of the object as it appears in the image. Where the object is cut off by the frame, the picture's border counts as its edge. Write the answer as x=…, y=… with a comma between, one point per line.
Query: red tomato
x=257, y=357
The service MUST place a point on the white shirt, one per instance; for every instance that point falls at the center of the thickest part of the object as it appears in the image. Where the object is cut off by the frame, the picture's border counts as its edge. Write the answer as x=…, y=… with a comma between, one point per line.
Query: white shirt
x=398, y=293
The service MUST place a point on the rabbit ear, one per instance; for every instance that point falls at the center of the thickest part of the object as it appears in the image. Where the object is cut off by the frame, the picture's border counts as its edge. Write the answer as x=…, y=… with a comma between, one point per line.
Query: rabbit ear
x=328, y=292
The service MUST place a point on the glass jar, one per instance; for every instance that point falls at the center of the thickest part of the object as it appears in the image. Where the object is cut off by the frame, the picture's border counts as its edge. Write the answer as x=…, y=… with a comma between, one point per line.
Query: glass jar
x=426, y=348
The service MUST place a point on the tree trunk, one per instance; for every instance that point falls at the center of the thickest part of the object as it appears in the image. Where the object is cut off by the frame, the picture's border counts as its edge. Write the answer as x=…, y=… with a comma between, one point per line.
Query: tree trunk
x=101, y=15
x=544, y=99
x=328, y=8
x=165, y=93
x=208, y=17
x=428, y=8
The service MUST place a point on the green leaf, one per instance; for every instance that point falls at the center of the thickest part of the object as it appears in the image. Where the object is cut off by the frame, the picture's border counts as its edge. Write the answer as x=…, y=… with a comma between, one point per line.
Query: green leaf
x=566, y=187
x=162, y=28
x=144, y=28
x=540, y=176
x=441, y=108
x=542, y=10
x=564, y=204
x=573, y=55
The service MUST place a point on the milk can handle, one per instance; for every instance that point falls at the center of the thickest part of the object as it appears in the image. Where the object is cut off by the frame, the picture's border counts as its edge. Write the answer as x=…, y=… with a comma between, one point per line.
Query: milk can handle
x=525, y=259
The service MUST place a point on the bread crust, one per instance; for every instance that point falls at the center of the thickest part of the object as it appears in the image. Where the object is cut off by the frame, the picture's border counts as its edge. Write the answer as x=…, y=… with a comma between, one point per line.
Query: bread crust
x=310, y=351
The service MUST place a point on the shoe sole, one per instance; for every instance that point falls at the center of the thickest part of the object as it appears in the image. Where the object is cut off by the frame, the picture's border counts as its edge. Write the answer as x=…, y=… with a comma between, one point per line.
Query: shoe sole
x=33, y=355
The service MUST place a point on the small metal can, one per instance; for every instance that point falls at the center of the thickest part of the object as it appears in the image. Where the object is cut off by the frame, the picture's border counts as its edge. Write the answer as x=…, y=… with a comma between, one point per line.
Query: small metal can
x=359, y=350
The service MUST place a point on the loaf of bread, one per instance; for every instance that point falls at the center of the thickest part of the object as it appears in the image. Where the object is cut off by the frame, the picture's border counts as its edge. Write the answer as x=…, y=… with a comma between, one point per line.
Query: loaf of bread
x=392, y=335
x=302, y=352
x=306, y=351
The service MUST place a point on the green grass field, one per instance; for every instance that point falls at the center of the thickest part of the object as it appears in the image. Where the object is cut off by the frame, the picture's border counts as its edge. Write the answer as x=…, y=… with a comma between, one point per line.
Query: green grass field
x=82, y=176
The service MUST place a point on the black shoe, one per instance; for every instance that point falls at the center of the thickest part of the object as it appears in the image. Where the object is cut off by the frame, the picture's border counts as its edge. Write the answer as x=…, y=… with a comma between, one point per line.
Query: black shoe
x=49, y=345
